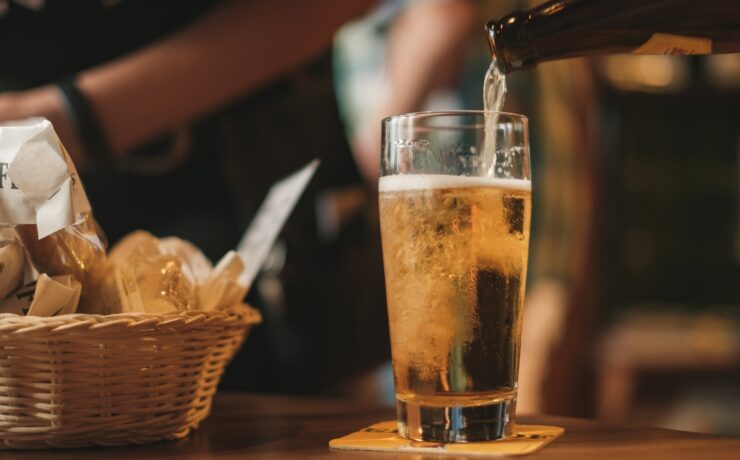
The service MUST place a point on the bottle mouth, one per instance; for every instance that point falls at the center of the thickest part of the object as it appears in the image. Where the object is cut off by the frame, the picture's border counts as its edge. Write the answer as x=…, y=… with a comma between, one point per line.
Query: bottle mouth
x=491, y=32
x=511, y=43
x=492, y=29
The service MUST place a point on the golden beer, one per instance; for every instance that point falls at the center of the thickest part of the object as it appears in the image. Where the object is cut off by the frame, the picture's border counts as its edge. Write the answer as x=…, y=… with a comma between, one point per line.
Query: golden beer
x=455, y=254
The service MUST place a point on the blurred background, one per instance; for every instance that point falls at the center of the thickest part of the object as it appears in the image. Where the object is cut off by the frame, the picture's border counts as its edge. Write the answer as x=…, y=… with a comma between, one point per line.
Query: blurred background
x=633, y=307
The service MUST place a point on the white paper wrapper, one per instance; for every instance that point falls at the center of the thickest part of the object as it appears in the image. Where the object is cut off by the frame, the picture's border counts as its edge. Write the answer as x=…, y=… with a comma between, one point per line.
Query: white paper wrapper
x=222, y=288
x=47, y=296
x=38, y=181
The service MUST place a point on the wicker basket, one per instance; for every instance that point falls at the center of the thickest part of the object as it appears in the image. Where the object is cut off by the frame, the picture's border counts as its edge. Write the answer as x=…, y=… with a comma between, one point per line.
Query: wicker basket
x=80, y=380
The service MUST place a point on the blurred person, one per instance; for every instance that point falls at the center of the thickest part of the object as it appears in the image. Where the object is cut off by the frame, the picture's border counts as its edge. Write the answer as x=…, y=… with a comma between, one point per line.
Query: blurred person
x=183, y=121
x=180, y=115
x=180, y=63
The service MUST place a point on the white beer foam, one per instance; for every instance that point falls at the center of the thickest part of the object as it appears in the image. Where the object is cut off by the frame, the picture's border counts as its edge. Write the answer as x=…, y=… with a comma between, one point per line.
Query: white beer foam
x=404, y=182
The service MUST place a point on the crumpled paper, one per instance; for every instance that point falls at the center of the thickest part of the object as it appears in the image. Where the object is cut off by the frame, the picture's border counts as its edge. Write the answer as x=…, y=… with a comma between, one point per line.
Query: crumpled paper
x=42, y=199
x=38, y=181
x=222, y=287
x=195, y=261
x=145, y=274
x=47, y=296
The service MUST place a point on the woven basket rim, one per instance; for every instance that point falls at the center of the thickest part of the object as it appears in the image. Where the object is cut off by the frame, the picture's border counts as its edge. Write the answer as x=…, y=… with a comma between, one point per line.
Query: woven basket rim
x=245, y=313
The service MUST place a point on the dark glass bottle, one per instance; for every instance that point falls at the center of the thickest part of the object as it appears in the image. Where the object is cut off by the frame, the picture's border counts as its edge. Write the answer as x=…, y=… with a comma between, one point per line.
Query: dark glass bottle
x=561, y=29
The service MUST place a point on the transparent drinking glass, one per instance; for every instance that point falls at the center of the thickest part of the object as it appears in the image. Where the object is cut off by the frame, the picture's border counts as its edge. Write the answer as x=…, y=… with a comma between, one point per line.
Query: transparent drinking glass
x=455, y=199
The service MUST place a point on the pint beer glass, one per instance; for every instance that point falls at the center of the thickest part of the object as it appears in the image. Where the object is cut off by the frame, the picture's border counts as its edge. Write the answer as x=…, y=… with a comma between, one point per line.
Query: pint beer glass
x=455, y=198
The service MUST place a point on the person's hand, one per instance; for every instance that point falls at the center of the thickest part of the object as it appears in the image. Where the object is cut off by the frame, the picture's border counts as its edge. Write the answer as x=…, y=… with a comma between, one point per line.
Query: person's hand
x=366, y=149
x=432, y=36
x=44, y=101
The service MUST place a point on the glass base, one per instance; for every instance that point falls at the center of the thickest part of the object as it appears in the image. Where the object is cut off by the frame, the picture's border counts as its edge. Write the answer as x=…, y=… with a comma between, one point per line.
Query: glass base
x=486, y=422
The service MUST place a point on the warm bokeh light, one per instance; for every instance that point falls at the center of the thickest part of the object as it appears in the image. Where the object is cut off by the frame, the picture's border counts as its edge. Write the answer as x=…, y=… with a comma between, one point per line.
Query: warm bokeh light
x=646, y=73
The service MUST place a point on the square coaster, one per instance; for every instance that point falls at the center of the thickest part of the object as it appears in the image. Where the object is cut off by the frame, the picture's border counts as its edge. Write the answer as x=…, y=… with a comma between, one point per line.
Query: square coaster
x=384, y=437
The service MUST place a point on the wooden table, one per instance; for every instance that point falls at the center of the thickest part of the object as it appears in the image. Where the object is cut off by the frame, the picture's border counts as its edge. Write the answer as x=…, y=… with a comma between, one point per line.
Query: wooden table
x=258, y=426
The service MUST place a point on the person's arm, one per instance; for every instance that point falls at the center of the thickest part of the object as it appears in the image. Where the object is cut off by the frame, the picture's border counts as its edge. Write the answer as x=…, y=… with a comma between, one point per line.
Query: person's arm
x=426, y=47
x=234, y=49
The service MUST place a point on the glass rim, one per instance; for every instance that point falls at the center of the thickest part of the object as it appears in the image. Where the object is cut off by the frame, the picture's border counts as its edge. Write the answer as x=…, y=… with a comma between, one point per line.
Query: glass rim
x=440, y=113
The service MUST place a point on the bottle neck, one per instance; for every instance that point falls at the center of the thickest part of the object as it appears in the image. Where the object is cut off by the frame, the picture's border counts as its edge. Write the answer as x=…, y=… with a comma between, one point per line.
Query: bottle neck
x=511, y=42
x=561, y=29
